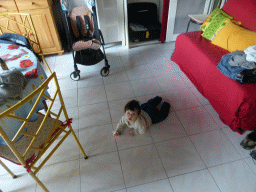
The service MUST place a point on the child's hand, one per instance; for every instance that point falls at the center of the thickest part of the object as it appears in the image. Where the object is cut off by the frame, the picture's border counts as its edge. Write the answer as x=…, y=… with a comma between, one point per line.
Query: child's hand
x=131, y=132
x=117, y=134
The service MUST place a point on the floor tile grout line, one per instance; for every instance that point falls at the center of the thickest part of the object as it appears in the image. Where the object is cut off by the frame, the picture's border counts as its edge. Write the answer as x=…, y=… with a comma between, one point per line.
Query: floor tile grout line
x=191, y=108
x=214, y=180
x=135, y=147
x=211, y=116
x=181, y=123
x=138, y=78
x=151, y=135
x=205, y=164
x=191, y=140
x=115, y=138
x=153, y=140
x=207, y=131
x=132, y=88
x=95, y=102
x=248, y=163
x=201, y=157
x=108, y=104
x=149, y=183
x=224, y=163
x=136, y=96
x=80, y=179
x=121, y=167
x=121, y=68
x=75, y=159
x=230, y=142
x=156, y=142
x=201, y=169
x=242, y=159
x=171, y=140
x=105, y=124
x=238, y=151
x=199, y=153
x=161, y=159
x=168, y=178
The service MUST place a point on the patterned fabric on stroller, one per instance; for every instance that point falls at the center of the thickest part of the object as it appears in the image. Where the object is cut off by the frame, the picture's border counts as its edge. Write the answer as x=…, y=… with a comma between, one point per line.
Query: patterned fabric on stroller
x=85, y=39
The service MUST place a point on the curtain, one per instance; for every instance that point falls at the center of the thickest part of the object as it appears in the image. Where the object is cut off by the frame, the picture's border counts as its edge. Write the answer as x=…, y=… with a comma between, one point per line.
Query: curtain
x=164, y=20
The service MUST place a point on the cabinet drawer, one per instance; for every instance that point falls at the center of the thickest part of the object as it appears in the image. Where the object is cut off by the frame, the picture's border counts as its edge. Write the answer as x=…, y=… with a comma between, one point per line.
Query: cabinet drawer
x=7, y=6
x=33, y=4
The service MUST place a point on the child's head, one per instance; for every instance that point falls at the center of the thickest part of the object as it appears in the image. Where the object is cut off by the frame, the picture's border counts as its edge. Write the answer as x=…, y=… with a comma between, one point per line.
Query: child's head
x=132, y=110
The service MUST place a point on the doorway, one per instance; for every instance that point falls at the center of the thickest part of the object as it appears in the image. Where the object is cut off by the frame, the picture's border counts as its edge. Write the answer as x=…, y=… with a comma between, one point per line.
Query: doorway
x=146, y=35
x=177, y=17
x=113, y=18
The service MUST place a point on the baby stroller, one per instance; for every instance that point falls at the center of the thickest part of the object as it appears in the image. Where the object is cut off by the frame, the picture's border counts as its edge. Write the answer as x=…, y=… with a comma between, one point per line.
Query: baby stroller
x=84, y=39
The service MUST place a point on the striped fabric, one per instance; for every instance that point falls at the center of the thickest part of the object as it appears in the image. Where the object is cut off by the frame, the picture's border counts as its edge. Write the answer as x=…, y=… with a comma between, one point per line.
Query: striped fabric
x=92, y=44
x=22, y=144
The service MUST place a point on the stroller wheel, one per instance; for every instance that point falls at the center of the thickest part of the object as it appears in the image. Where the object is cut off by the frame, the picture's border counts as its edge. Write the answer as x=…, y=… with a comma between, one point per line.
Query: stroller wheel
x=104, y=71
x=75, y=76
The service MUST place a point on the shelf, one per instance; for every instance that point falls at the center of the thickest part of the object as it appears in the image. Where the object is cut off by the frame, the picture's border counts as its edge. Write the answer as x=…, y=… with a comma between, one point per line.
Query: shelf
x=148, y=42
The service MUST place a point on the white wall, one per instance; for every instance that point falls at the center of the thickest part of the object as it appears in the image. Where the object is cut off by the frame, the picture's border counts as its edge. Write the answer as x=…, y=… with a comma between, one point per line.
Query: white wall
x=159, y=3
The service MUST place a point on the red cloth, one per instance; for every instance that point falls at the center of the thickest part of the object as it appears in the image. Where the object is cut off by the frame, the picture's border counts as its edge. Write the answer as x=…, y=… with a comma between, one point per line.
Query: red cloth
x=198, y=59
x=164, y=20
x=242, y=10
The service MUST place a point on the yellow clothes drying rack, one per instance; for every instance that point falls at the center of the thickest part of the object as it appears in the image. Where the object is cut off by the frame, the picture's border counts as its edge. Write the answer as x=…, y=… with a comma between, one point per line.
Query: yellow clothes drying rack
x=41, y=134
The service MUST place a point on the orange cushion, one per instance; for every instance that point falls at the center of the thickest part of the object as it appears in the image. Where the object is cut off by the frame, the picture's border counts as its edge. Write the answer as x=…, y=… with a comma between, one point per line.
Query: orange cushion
x=233, y=37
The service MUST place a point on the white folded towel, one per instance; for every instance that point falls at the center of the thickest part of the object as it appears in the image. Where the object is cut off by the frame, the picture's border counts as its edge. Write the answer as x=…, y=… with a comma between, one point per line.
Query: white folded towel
x=251, y=53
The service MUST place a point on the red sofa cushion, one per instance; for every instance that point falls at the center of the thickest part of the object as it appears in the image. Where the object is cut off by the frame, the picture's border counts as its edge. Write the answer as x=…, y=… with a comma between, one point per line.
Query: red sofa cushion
x=198, y=59
x=242, y=10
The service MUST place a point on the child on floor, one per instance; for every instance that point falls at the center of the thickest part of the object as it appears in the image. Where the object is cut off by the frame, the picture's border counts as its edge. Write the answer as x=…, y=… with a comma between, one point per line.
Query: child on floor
x=139, y=117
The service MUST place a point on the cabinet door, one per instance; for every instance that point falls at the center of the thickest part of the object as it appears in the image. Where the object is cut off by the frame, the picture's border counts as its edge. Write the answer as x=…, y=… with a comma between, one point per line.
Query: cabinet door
x=7, y=6
x=9, y=26
x=33, y=4
x=111, y=20
x=46, y=31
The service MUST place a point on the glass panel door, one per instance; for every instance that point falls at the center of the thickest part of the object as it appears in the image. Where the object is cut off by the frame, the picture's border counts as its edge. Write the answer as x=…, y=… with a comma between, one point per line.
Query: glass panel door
x=178, y=20
x=111, y=20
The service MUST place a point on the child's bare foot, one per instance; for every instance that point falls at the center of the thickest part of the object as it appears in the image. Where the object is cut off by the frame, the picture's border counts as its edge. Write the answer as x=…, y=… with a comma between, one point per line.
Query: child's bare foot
x=117, y=134
x=131, y=132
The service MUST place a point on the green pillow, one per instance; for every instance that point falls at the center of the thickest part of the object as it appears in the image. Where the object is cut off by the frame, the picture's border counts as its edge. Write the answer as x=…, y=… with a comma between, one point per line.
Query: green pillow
x=216, y=24
x=216, y=12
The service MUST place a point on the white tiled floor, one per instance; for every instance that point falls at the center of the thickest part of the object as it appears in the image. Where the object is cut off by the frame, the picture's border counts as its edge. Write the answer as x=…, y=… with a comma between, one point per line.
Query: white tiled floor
x=191, y=151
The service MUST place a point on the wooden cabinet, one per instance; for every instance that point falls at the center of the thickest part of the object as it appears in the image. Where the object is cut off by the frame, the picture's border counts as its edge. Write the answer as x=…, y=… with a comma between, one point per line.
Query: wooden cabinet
x=7, y=6
x=46, y=30
x=33, y=4
x=42, y=16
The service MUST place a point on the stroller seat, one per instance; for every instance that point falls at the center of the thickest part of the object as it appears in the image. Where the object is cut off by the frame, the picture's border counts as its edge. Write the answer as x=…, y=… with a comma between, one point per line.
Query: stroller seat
x=85, y=40
x=83, y=28
x=89, y=44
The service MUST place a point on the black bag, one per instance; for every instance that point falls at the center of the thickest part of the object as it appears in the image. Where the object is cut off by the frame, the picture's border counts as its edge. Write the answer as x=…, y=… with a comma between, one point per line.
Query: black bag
x=143, y=21
x=248, y=76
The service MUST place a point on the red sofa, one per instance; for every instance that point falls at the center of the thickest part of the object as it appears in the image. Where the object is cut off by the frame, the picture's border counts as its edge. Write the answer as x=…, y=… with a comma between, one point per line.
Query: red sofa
x=198, y=59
